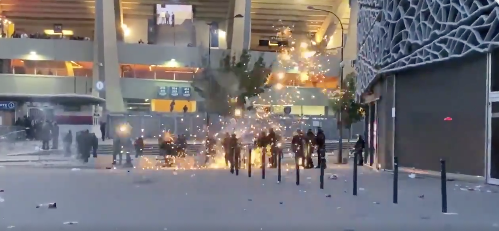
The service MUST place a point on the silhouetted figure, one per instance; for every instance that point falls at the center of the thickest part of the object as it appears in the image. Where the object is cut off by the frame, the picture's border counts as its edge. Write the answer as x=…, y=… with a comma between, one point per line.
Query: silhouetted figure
x=234, y=152
x=45, y=134
x=185, y=108
x=172, y=105
x=55, y=136
x=310, y=141
x=273, y=140
x=320, y=141
x=103, y=130
x=211, y=150
x=139, y=147
x=359, y=148
x=95, y=144
x=298, y=146
x=67, y=141
x=226, y=146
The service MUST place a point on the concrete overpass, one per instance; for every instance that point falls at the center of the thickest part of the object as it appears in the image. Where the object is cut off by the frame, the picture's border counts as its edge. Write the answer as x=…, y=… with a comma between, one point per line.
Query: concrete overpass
x=266, y=15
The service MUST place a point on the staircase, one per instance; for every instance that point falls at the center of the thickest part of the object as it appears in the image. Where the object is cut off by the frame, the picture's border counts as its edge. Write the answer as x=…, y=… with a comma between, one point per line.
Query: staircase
x=180, y=35
x=193, y=149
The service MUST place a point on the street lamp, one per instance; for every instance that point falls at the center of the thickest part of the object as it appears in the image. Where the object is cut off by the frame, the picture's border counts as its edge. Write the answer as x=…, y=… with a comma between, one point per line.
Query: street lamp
x=209, y=62
x=340, y=152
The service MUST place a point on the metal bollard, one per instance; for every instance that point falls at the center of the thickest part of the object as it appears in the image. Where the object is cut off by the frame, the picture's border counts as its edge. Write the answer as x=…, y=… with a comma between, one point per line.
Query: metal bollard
x=355, y=157
x=249, y=163
x=278, y=166
x=395, y=179
x=322, y=152
x=236, y=162
x=263, y=163
x=297, y=165
x=443, y=178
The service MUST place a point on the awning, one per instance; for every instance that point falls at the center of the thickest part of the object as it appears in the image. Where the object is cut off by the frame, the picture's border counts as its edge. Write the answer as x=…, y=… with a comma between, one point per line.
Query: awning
x=53, y=98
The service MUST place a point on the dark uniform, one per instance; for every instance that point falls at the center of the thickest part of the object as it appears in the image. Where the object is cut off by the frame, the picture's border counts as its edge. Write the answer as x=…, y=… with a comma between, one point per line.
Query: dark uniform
x=139, y=147
x=95, y=144
x=310, y=138
x=85, y=145
x=320, y=141
x=273, y=139
x=234, y=152
x=298, y=145
x=359, y=147
x=227, y=149
x=211, y=150
x=68, y=140
x=55, y=136
x=262, y=143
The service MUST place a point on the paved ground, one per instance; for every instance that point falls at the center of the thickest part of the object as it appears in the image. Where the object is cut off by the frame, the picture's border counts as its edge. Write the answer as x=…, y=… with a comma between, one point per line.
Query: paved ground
x=213, y=199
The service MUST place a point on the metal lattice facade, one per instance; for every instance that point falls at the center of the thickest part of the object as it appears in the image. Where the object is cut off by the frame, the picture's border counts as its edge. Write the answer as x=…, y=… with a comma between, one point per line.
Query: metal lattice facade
x=412, y=33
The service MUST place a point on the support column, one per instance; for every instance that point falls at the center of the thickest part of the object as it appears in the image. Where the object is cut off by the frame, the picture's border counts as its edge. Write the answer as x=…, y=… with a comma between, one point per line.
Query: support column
x=118, y=13
x=241, y=30
x=106, y=66
x=351, y=39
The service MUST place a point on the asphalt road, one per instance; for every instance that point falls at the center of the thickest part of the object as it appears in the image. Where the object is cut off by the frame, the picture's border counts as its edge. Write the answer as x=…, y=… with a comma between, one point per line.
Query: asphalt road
x=214, y=199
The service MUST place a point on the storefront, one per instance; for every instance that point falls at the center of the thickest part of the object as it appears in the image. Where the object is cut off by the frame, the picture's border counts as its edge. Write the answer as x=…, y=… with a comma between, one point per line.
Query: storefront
x=448, y=110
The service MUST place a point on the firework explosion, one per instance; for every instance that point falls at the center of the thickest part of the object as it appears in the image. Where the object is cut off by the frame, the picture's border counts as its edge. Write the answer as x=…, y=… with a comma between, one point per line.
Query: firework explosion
x=301, y=56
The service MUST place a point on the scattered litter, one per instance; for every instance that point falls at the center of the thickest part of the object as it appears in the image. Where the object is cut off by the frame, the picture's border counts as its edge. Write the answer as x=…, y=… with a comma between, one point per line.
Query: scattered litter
x=108, y=167
x=193, y=175
x=47, y=205
x=345, y=180
x=128, y=171
x=70, y=223
x=345, y=191
x=450, y=213
x=1, y=190
x=244, y=209
x=338, y=207
x=412, y=176
x=362, y=189
x=175, y=173
x=10, y=227
x=376, y=203
x=333, y=177
x=1, y=200
x=450, y=180
x=278, y=182
x=421, y=196
x=250, y=200
x=75, y=169
x=328, y=196
x=263, y=184
x=281, y=203
x=309, y=178
x=487, y=191
x=165, y=229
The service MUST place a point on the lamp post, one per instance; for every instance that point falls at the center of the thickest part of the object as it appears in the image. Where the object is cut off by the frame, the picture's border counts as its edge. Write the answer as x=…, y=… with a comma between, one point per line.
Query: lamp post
x=209, y=62
x=340, y=152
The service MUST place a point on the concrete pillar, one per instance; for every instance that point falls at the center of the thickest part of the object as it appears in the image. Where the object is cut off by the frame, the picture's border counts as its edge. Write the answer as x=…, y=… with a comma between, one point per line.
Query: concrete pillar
x=118, y=13
x=351, y=39
x=106, y=66
x=241, y=30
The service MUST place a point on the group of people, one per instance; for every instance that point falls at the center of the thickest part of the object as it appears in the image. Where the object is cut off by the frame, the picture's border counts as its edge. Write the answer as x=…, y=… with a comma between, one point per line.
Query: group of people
x=166, y=18
x=232, y=150
x=303, y=146
x=41, y=130
x=86, y=143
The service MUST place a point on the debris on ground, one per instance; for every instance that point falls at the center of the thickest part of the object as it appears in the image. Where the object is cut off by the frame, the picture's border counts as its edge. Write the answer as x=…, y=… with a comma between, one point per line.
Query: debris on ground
x=362, y=189
x=376, y=203
x=1, y=190
x=10, y=227
x=328, y=196
x=70, y=223
x=75, y=169
x=47, y=205
x=333, y=177
x=421, y=196
x=1, y=200
x=412, y=176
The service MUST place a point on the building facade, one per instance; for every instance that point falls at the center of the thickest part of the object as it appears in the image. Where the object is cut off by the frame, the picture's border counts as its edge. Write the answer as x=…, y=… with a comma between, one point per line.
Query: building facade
x=426, y=72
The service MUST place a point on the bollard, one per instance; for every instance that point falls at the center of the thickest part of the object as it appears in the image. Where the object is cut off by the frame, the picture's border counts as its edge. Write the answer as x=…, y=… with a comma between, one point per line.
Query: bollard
x=297, y=165
x=322, y=152
x=236, y=161
x=279, y=166
x=355, y=157
x=443, y=179
x=249, y=163
x=395, y=179
x=263, y=163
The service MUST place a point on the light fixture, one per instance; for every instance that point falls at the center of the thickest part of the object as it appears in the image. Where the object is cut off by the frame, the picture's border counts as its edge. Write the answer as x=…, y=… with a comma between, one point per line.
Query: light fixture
x=238, y=112
x=280, y=75
x=32, y=53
